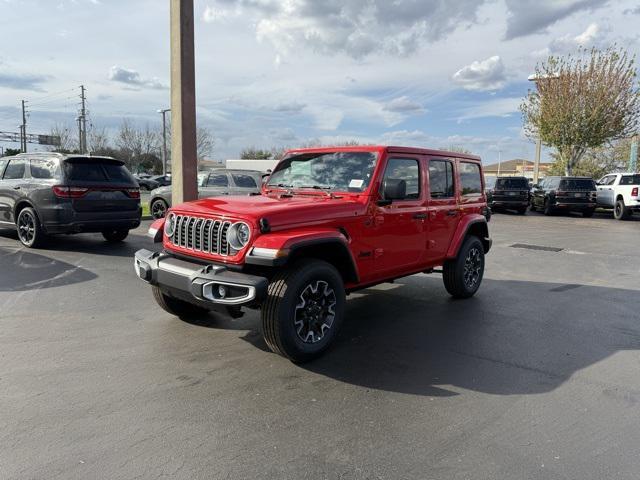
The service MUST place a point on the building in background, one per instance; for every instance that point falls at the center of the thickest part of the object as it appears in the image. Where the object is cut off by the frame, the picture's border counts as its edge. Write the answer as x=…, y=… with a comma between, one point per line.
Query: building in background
x=515, y=168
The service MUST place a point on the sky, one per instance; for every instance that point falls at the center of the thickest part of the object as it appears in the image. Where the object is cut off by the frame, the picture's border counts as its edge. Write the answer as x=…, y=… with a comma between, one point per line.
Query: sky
x=273, y=73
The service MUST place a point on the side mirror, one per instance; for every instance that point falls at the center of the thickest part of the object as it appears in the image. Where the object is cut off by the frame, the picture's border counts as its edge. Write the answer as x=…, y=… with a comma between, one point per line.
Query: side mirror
x=393, y=189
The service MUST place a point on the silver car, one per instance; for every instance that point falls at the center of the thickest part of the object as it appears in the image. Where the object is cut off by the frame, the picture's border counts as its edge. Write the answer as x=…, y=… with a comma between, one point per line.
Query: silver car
x=210, y=184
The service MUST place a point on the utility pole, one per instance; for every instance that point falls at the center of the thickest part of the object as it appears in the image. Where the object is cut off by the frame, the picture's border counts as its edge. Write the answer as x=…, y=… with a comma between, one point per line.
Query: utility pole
x=79, y=120
x=184, y=162
x=164, y=139
x=23, y=129
x=633, y=155
x=499, y=161
x=83, y=120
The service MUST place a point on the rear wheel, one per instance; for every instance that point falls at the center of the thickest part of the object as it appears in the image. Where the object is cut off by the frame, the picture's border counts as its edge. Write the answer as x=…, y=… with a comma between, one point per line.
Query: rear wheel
x=176, y=307
x=304, y=310
x=548, y=208
x=532, y=206
x=30, y=231
x=620, y=211
x=522, y=210
x=115, y=236
x=159, y=208
x=462, y=277
x=588, y=213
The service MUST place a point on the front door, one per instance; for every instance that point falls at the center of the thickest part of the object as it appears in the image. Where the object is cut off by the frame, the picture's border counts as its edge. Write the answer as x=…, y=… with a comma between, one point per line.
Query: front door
x=443, y=209
x=400, y=228
x=605, y=190
x=11, y=187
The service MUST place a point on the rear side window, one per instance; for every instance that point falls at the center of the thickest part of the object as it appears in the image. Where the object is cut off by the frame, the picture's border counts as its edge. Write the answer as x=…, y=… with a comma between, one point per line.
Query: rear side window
x=96, y=171
x=625, y=180
x=441, y=179
x=244, y=181
x=218, y=181
x=512, y=184
x=577, y=184
x=470, y=178
x=15, y=170
x=44, y=168
x=408, y=170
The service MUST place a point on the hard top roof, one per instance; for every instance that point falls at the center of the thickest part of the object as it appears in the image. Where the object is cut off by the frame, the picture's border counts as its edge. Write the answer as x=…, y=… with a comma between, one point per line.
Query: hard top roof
x=388, y=149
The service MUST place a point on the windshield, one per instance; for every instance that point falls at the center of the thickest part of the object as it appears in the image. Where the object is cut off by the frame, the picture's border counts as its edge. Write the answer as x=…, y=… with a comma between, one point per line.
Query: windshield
x=512, y=183
x=577, y=184
x=342, y=171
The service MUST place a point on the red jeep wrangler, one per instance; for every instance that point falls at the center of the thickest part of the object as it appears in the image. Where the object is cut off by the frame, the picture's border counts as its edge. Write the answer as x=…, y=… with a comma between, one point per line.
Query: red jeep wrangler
x=327, y=222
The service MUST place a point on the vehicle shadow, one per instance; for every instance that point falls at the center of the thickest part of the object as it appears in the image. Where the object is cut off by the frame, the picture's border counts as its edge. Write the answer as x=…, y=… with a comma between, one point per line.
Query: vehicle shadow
x=24, y=270
x=513, y=338
x=91, y=243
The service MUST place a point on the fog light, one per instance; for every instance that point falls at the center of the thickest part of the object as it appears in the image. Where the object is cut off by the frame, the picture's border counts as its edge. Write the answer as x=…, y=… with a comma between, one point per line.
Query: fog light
x=222, y=291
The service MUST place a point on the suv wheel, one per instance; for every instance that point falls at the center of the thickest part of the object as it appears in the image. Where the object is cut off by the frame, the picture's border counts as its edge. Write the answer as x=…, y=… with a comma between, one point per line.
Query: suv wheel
x=620, y=211
x=304, y=310
x=115, y=236
x=176, y=307
x=548, y=208
x=463, y=276
x=522, y=210
x=532, y=206
x=588, y=213
x=30, y=231
x=159, y=208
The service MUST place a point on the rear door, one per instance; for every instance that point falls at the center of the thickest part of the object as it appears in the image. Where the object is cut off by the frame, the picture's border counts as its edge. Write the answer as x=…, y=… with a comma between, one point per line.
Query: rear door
x=244, y=184
x=216, y=184
x=97, y=185
x=13, y=183
x=442, y=207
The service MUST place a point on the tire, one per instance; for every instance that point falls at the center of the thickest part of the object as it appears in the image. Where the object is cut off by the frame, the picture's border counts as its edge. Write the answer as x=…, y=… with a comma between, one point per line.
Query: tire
x=620, y=211
x=30, y=232
x=532, y=206
x=298, y=299
x=547, y=209
x=115, y=236
x=158, y=208
x=522, y=211
x=176, y=307
x=588, y=213
x=462, y=277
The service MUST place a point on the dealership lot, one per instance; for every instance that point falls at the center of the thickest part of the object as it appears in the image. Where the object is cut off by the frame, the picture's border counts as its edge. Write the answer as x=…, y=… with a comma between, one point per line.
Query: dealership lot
x=535, y=377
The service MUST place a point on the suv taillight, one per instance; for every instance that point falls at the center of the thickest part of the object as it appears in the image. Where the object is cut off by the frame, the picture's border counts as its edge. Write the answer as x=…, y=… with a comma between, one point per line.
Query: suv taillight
x=133, y=192
x=62, y=191
x=634, y=192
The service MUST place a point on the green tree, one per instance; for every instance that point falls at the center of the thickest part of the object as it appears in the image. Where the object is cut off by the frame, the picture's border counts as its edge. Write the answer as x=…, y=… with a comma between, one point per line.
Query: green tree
x=253, y=153
x=582, y=102
x=10, y=152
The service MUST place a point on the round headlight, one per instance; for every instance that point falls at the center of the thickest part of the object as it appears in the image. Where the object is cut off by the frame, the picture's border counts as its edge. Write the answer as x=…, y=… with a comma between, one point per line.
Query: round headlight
x=238, y=235
x=170, y=225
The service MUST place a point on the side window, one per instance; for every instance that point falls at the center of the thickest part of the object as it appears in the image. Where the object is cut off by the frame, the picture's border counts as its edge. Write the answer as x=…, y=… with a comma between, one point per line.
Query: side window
x=470, y=180
x=44, y=168
x=244, y=181
x=441, y=179
x=15, y=170
x=218, y=180
x=3, y=163
x=408, y=170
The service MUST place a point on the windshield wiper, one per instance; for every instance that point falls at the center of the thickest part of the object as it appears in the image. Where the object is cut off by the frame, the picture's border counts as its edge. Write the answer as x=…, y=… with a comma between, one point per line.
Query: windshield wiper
x=317, y=187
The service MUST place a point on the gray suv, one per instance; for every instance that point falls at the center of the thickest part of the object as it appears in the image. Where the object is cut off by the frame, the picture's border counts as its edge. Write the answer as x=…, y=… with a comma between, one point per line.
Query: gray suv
x=210, y=184
x=50, y=193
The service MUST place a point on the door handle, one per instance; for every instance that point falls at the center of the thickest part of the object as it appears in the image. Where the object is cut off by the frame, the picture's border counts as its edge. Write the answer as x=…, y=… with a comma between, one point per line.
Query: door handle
x=420, y=216
x=17, y=187
x=452, y=213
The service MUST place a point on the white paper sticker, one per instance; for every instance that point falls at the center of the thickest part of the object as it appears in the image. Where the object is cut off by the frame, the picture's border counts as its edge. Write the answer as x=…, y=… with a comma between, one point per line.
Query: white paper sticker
x=356, y=183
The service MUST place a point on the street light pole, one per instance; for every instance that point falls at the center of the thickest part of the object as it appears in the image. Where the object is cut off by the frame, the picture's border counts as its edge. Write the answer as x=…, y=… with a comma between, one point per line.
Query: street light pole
x=164, y=139
x=184, y=162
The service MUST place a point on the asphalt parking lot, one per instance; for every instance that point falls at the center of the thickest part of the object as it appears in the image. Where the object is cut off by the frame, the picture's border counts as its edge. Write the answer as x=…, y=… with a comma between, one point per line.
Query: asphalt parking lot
x=536, y=377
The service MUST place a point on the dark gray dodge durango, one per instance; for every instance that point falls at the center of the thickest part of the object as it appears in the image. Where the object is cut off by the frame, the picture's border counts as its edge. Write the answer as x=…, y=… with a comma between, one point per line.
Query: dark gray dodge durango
x=49, y=193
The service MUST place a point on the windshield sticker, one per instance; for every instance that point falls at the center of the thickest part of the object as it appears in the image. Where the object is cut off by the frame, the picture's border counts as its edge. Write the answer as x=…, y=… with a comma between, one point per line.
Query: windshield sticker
x=356, y=183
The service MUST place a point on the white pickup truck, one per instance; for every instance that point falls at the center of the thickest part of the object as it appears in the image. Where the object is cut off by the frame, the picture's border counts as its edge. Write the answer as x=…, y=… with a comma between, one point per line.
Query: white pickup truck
x=619, y=191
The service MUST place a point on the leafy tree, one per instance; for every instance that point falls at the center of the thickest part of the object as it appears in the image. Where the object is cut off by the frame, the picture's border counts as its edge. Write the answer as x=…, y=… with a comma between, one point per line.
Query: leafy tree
x=253, y=153
x=597, y=162
x=10, y=152
x=582, y=102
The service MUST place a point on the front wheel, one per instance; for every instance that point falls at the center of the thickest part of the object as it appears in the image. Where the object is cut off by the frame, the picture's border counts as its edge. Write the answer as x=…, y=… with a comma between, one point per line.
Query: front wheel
x=159, y=208
x=463, y=276
x=548, y=208
x=115, y=236
x=304, y=310
x=30, y=231
x=522, y=210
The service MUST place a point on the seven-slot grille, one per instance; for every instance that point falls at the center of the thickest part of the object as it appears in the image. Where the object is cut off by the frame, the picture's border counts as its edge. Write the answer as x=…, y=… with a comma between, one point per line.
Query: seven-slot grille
x=202, y=235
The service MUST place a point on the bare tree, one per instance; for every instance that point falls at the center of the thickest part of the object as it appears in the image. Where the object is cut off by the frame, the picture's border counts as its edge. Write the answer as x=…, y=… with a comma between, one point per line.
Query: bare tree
x=582, y=102
x=205, y=143
x=253, y=153
x=98, y=140
x=137, y=144
x=68, y=138
x=456, y=148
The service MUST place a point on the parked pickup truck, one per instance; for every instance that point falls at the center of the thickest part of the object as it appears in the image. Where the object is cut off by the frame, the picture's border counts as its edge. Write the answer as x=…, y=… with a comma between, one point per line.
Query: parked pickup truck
x=619, y=191
x=328, y=222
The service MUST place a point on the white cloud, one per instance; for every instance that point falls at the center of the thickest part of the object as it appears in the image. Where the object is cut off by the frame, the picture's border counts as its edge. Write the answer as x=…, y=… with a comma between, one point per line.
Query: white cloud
x=487, y=74
x=404, y=105
x=568, y=43
x=499, y=107
x=133, y=78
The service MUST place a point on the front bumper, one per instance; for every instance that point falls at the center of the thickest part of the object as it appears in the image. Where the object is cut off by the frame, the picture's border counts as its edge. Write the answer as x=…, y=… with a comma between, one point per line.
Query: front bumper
x=207, y=286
